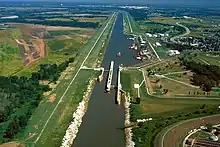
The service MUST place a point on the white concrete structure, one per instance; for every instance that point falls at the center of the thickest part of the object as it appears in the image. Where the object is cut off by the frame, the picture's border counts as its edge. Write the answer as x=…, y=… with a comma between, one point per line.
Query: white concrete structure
x=110, y=74
x=128, y=131
x=144, y=120
x=136, y=86
x=73, y=128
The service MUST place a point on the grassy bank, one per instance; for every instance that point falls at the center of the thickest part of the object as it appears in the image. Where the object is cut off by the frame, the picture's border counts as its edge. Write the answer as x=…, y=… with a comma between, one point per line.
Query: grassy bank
x=98, y=53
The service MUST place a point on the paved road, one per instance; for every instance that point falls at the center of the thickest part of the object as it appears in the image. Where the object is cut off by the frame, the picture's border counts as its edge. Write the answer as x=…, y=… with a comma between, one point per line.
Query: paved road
x=173, y=135
x=186, y=33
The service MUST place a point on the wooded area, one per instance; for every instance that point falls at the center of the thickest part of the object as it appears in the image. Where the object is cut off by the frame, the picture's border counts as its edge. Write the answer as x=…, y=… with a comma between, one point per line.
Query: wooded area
x=20, y=97
x=54, y=23
x=205, y=76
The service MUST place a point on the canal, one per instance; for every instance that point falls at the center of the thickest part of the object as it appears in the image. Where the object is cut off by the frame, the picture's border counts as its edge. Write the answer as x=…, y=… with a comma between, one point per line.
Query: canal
x=103, y=122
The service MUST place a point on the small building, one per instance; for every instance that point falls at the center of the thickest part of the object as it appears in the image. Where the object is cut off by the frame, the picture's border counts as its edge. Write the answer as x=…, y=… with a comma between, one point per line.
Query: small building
x=155, y=35
x=166, y=35
x=161, y=35
x=214, y=138
x=173, y=52
x=158, y=44
x=186, y=17
x=149, y=35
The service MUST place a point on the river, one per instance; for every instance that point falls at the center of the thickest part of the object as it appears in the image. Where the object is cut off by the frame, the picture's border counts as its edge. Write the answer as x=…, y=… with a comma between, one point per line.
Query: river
x=103, y=122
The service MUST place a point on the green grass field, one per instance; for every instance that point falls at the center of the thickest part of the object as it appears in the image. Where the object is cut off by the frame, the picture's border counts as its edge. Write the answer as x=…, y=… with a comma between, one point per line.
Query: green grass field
x=60, y=19
x=169, y=69
x=10, y=60
x=209, y=59
x=169, y=66
x=196, y=25
x=65, y=45
x=67, y=32
x=94, y=19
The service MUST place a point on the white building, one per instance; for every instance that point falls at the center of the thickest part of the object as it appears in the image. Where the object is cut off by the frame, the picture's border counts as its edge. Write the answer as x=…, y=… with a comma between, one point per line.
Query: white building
x=158, y=44
x=161, y=35
x=214, y=138
x=173, y=52
x=149, y=35
x=155, y=35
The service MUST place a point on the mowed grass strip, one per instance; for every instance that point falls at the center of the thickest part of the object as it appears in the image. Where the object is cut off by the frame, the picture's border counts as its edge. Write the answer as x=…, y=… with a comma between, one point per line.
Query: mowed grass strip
x=99, y=50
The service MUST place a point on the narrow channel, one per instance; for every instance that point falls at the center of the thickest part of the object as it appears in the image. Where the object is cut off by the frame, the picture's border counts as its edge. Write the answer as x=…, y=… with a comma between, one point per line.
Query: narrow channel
x=103, y=122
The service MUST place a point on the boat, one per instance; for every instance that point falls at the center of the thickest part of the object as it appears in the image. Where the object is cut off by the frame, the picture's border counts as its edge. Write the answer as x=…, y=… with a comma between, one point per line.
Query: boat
x=118, y=54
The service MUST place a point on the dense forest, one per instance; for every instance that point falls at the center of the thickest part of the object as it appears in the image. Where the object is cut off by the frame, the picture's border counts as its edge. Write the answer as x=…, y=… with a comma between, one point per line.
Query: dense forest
x=205, y=76
x=20, y=97
x=155, y=27
x=54, y=23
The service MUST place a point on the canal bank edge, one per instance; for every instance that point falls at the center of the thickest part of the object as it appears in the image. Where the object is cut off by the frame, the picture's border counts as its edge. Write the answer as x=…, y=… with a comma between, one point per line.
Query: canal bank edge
x=73, y=128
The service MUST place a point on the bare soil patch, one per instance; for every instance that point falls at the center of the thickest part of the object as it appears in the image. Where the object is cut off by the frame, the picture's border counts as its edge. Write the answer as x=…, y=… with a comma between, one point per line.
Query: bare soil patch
x=12, y=144
x=52, y=98
x=32, y=46
x=54, y=28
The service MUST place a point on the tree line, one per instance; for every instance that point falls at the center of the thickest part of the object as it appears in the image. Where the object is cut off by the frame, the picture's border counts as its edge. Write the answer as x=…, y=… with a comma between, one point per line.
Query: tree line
x=20, y=96
x=54, y=23
x=205, y=76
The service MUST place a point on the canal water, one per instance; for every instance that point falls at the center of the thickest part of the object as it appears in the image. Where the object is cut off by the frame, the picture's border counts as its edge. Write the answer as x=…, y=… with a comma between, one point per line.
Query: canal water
x=103, y=122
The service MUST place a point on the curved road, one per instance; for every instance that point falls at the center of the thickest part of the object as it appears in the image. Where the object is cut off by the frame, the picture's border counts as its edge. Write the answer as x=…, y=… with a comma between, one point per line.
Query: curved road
x=186, y=33
x=173, y=135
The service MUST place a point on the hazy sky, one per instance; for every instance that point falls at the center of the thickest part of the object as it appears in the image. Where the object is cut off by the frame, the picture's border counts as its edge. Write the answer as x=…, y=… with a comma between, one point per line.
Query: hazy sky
x=199, y=2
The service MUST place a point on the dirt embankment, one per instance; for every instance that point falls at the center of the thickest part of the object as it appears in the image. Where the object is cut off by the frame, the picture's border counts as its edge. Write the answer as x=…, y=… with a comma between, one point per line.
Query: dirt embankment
x=32, y=47
x=12, y=144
